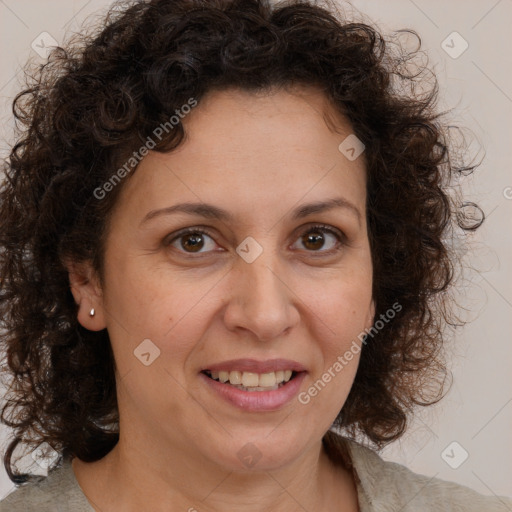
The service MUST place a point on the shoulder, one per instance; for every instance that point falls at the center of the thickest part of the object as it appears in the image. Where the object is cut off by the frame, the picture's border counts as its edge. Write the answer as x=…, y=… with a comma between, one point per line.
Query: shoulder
x=385, y=486
x=59, y=491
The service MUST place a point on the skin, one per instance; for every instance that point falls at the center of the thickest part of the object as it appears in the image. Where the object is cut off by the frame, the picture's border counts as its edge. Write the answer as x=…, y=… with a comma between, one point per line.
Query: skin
x=259, y=156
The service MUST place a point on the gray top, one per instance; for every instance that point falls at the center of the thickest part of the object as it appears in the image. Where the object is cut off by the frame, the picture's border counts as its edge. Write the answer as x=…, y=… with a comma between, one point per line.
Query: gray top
x=58, y=492
x=382, y=486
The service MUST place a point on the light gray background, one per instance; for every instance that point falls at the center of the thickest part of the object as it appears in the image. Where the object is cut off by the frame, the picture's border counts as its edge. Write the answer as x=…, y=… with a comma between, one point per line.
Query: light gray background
x=477, y=413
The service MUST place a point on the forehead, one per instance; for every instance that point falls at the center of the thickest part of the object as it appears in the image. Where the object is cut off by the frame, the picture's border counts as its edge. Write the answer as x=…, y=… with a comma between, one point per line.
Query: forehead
x=300, y=114
x=249, y=148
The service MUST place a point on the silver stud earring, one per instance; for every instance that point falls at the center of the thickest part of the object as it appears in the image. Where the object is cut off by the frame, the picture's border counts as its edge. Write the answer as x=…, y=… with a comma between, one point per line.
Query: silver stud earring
x=92, y=312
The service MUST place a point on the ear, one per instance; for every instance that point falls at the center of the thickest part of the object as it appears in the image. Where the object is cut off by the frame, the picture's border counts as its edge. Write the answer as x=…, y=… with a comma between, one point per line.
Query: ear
x=88, y=295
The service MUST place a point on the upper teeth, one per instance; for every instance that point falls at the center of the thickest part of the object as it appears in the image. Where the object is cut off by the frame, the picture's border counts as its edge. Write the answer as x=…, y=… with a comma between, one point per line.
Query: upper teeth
x=249, y=379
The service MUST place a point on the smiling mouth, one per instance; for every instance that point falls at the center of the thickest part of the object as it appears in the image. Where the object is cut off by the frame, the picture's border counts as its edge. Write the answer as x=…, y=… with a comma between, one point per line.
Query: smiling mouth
x=250, y=381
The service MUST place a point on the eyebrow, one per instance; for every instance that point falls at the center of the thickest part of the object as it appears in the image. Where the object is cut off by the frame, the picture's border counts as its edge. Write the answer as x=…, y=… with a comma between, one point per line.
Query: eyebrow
x=210, y=211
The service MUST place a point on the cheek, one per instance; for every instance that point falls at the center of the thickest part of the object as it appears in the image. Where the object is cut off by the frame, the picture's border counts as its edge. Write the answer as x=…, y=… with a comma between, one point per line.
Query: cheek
x=327, y=387
x=342, y=305
x=152, y=301
x=341, y=308
x=155, y=324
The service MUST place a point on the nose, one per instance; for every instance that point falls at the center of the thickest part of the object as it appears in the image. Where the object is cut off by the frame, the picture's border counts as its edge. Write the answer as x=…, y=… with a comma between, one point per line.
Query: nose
x=261, y=301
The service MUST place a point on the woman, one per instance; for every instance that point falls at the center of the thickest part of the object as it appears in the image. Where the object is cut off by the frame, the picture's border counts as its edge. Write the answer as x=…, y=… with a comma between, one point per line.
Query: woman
x=222, y=236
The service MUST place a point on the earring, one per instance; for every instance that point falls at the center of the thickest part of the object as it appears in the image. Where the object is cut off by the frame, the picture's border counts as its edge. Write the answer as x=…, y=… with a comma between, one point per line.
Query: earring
x=92, y=312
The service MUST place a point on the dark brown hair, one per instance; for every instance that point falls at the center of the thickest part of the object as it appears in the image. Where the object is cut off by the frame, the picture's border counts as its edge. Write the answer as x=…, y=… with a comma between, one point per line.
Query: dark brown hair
x=99, y=97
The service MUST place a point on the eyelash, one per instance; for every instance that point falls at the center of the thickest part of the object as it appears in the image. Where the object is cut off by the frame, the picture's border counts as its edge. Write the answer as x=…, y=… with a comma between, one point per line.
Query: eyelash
x=339, y=235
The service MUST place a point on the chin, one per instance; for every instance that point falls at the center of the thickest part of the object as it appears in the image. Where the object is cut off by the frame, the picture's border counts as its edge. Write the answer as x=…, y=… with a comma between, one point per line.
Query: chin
x=265, y=452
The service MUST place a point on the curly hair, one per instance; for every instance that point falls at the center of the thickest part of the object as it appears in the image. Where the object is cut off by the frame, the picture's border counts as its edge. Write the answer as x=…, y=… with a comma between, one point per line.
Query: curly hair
x=97, y=97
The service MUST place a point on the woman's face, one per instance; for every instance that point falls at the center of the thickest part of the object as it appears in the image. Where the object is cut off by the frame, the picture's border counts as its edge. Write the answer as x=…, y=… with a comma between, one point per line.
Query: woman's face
x=265, y=290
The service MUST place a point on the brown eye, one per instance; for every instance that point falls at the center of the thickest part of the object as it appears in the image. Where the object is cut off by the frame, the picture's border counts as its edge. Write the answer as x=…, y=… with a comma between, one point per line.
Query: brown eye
x=192, y=241
x=313, y=240
x=317, y=238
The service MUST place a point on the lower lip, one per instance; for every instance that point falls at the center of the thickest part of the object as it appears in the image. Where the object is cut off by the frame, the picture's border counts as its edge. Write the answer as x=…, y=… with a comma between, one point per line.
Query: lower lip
x=257, y=400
